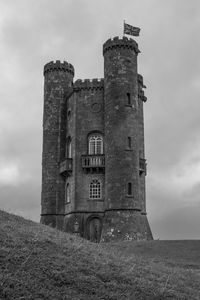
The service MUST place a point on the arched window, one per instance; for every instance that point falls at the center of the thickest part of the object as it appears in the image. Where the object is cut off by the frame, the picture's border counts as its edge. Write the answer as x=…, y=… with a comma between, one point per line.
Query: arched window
x=129, y=189
x=69, y=147
x=67, y=193
x=95, y=142
x=95, y=189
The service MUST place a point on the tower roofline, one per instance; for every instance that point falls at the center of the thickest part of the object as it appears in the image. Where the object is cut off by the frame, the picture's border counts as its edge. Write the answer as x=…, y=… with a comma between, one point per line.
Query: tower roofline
x=117, y=42
x=58, y=66
x=89, y=84
x=140, y=81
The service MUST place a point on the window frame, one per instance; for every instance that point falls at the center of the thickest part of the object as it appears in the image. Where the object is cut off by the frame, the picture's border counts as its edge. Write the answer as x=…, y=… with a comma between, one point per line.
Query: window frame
x=95, y=144
x=95, y=189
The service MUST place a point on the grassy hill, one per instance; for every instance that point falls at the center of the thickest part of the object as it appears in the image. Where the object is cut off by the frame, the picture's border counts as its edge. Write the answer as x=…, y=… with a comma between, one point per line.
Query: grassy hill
x=38, y=262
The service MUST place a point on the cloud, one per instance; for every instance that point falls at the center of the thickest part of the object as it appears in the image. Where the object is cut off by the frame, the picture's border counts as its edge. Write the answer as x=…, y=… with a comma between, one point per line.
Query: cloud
x=9, y=174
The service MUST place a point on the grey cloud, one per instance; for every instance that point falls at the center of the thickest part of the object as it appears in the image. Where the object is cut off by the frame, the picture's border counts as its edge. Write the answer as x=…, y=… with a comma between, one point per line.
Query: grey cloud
x=181, y=223
x=173, y=215
x=23, y=200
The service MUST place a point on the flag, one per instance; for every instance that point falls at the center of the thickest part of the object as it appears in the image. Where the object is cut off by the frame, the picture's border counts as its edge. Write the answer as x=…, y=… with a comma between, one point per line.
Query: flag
x=128, y=29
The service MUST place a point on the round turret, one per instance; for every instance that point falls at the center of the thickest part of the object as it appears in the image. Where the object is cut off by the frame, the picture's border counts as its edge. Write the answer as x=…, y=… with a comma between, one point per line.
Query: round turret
x=117, y=43
x=59, y=66
x=121, y=124
x=124, y=201
x=58, y=78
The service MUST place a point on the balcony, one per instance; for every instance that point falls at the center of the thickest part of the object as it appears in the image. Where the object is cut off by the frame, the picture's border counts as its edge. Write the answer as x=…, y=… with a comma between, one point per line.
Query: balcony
x=142, y=166
x=93, y=163
x=66, y=167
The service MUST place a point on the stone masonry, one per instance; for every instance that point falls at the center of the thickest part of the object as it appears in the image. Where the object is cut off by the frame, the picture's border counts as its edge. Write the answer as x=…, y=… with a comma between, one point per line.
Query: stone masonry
x=93, y=163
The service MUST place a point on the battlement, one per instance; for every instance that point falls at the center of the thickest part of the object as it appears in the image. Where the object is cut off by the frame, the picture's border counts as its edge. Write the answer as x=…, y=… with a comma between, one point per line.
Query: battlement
x=140, y=81
x=89, y=84
x=141, y=85
x=58, y=66
x=116, y=42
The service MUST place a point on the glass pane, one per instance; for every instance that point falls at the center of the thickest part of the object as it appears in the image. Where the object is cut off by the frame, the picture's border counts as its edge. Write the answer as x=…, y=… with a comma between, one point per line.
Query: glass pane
x=95, y=189
x=95, y=145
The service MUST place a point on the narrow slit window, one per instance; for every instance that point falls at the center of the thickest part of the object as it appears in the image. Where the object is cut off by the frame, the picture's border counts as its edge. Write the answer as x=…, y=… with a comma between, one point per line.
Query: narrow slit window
x=129, y=189
x=129, y=142
x=69, y=114
x=67, y=193
x=69, y=148
x=128, y=98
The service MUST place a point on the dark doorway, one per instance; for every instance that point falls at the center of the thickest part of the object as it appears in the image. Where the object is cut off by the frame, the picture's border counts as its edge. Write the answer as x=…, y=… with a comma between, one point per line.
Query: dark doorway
x=94, y=230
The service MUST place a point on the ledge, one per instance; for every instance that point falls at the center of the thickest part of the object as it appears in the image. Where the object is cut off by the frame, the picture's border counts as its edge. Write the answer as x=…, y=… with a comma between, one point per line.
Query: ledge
x=96, y=200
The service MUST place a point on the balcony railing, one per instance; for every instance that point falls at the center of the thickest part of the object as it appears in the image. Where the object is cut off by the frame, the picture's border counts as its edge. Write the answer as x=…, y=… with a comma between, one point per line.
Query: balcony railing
x=93, y=161
x=66, y=167
x=142, y=166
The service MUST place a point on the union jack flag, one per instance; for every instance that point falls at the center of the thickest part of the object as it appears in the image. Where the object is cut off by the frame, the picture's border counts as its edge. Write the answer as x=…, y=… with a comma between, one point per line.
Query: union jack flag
x=128, y=29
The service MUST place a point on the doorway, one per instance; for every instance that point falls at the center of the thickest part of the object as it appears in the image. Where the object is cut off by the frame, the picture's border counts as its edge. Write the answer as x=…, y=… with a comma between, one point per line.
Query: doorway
x=94, y=229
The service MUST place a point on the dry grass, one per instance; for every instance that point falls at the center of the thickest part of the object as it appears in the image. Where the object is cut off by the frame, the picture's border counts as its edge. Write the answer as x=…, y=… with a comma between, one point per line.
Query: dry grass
x=38, y=262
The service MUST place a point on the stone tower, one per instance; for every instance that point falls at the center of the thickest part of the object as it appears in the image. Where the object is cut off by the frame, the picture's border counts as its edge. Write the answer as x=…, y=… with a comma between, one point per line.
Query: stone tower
x=94, y=165
x=58, y=82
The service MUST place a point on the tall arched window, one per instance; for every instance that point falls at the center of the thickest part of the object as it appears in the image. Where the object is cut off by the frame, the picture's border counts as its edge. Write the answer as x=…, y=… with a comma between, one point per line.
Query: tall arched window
x=95, y=189
x=67, y=193
x=95, y=142
x=69, y=147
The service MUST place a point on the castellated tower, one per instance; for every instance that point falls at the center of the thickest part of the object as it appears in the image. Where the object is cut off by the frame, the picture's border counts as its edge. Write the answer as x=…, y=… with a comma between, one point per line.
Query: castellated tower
x=58, y=82
x=94, y=167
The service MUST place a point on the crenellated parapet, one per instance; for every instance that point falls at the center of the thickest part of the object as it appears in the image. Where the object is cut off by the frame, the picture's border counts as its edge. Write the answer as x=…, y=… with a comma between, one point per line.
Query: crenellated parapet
x=140, y=81
x=116, y=42
x=87, y=84
x=141, y=86
x=59, y=66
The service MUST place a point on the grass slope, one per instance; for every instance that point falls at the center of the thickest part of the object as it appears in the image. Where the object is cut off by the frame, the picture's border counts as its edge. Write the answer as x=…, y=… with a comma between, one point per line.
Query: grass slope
x=38, y=262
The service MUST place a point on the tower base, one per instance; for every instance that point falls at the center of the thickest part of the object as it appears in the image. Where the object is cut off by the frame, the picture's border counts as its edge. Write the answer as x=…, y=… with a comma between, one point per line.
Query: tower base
x=52, y=220
x=85, y=224
x=48, y=219
x=125, y=225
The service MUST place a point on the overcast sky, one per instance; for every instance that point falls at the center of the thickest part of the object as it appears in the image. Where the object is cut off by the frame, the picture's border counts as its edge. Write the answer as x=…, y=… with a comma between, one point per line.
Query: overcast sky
x=33, y=33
